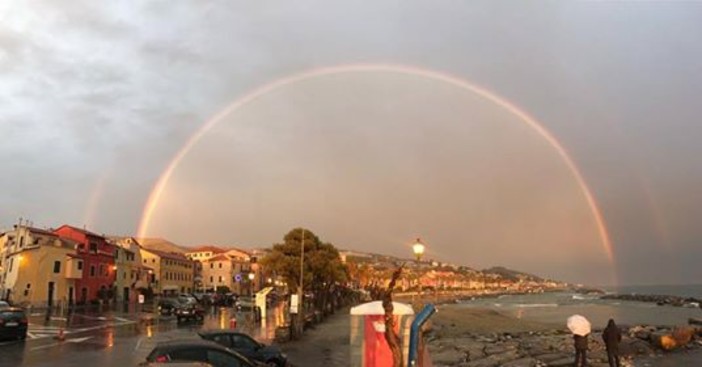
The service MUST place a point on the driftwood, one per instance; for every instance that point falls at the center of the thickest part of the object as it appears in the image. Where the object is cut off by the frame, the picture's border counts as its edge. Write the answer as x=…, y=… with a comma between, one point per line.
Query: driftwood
x=390, y=335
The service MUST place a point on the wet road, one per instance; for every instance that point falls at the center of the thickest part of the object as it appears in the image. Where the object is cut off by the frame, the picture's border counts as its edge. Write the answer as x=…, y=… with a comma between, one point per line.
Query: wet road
x=115, y=339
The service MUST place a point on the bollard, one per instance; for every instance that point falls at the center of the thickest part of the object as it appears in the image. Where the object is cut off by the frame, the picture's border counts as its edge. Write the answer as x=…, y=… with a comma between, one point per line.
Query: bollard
x=415, y=330
x=61, y=336
x=232, y=323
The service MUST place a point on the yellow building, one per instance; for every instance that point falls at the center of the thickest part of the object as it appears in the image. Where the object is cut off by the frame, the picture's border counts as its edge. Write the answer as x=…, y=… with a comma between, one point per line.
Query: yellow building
x=131, y=276
x=38, y=267
x=219, y=267
x=173, y=272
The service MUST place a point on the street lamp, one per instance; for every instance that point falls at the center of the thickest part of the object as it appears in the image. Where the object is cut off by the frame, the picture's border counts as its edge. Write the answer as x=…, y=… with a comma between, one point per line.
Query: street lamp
x=418, y=249
x=252, y=276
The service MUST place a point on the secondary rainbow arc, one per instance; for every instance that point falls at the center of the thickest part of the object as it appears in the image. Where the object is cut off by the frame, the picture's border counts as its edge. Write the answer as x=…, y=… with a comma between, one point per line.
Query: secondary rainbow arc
x=161, y=183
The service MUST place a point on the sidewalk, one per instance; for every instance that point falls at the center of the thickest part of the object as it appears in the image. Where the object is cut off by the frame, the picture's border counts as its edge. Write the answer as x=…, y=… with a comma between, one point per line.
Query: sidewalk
x=325, y=344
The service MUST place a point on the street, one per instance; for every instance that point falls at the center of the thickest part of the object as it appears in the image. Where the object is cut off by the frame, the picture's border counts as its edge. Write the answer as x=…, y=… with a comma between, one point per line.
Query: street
x=117, y=339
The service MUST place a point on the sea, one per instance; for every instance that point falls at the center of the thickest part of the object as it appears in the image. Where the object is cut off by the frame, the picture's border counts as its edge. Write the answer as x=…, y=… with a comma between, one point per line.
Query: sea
x=556, y=307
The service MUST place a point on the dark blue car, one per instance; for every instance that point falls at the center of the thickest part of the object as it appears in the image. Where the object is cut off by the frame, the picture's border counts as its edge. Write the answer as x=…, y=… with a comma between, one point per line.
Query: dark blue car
x=270, y=355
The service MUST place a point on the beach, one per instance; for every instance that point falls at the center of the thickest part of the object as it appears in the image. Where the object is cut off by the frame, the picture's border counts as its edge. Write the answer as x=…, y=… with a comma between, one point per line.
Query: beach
x=530, y=330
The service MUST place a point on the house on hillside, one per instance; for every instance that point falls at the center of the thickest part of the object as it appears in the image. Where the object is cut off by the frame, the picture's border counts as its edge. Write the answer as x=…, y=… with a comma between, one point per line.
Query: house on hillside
x=132, y=277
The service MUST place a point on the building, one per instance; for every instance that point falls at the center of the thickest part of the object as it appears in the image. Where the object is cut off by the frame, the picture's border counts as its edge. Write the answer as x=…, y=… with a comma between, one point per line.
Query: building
x=222, y=268
x=131, y=275
x=38, y=267
x=98, y=269
x=173, y=273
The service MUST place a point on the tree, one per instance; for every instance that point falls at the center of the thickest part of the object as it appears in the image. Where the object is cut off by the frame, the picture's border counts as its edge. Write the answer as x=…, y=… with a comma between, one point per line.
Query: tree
x=323, y=269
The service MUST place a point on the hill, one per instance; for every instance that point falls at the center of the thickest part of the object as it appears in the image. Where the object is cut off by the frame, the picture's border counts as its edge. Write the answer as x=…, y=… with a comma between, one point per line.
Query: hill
x=513, y=275
x=160, y=244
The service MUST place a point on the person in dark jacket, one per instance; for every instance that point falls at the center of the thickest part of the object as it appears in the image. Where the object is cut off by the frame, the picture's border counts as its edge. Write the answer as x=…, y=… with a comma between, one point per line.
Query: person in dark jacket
x=580, y=350
x=612, y=336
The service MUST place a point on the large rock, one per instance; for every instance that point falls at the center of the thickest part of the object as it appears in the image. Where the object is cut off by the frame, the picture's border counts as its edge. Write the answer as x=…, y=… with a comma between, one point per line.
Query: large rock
x=634, y=347
x=448, y=356
x=548, y=358
x=663, y=340
x=522, y=362
x=563, y=362
x=683, y=334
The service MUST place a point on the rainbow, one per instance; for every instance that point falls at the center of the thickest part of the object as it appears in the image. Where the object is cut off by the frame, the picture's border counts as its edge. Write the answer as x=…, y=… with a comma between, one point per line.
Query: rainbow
x=162, y=181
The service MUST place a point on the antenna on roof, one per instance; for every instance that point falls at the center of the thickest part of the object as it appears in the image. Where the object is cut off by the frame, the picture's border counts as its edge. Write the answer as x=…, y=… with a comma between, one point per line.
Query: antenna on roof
x=20, y=221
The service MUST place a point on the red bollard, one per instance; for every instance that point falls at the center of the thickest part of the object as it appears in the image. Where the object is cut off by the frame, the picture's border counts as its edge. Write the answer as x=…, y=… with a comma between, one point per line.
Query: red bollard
x=232, y=323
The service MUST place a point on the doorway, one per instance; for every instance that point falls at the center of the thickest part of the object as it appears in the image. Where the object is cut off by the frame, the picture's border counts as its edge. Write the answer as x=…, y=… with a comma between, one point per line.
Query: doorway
x=50, y=296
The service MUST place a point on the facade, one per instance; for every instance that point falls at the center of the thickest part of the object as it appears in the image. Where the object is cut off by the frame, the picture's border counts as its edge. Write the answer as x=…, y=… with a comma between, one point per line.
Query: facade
x=131, y=275
x=98, y=269
x=38, y=268
x=173, y=273
x=218, y=267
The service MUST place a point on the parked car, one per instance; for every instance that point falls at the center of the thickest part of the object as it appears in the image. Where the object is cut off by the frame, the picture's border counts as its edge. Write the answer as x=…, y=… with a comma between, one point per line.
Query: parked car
x=182, y=311
x=187, y=299
x=197, y=351
x=168, y=306
x=13, y=323
x=4, y=304
x=270, y=355
x=190, y=312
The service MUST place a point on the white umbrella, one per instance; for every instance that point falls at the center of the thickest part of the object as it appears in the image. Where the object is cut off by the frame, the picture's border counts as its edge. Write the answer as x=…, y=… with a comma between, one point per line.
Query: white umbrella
x=578, y=325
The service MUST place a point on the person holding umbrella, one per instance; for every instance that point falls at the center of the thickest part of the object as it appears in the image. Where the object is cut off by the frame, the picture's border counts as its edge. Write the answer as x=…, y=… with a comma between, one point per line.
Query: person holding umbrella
x=580, y=327
x=612, y=336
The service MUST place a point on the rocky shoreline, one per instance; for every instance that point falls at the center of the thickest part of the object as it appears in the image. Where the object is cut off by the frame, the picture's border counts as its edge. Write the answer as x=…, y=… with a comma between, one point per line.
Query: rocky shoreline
x=661, y=300
x=551, y=348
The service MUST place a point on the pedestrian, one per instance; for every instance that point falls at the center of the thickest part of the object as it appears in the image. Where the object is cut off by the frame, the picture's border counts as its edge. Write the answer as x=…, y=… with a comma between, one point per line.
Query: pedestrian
x=612, y=336
x=580, y=350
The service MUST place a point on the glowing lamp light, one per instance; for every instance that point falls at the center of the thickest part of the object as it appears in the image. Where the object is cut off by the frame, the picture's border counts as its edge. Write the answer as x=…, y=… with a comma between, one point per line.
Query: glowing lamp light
x=418, y=249
x=252, y=276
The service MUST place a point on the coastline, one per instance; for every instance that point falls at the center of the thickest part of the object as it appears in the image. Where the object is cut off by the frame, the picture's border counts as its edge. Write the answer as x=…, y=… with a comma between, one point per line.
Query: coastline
x=484, y=337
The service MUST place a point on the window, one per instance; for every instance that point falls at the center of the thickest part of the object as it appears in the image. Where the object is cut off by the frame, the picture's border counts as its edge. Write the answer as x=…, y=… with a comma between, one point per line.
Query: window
x=243, y=342
x=57, y=267
x=36, y=241
x=144, y=261
x=80, y=265
x=102, y=270
x=124, y=275
x=12, y=260
x=223, y=339
x=153, y=261
x=211, y=280
x=211, y=265
x=92, y=270
x=93, y=247
x=220, y=279
x=220, y=265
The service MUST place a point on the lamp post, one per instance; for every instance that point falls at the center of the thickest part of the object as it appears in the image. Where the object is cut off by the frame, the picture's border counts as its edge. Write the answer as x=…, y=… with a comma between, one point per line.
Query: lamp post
x=418, y=249
x=252, y=276
x=300, y=292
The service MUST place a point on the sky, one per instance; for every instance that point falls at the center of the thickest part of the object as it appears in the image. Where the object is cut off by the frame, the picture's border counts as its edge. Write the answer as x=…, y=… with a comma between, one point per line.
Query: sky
x=97, y=100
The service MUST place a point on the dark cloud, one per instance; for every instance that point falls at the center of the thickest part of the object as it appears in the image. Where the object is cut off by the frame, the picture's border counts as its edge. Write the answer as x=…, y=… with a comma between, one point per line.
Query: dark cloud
x=90, y=91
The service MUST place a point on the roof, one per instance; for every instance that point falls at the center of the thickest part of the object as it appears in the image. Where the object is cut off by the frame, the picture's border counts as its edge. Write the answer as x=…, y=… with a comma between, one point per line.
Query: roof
x=42, y=231
x=180, y=343
x=376, y=308
x=81, y=230
x=205, y=248
x=220, y=257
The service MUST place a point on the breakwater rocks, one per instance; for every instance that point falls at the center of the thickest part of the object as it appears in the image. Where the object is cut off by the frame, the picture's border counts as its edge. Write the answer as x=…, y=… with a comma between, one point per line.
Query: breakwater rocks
x=658, y=299
x=551, y=348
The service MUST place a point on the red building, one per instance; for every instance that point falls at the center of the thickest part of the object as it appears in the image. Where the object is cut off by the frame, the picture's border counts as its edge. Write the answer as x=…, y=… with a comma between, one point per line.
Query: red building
x=98, y=263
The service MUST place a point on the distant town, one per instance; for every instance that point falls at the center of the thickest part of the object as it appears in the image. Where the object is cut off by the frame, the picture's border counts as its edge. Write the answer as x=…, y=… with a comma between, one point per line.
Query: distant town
x=73, y=266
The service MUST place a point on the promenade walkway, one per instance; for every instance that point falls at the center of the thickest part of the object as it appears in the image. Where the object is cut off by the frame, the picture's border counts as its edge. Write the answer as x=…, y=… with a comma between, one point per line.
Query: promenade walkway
x=325, y=344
